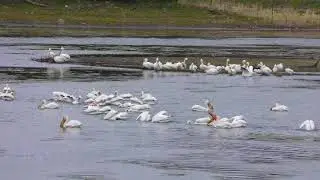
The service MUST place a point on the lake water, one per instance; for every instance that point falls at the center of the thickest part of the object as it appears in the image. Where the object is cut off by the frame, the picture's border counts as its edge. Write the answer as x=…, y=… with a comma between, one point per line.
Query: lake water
x=271, y=147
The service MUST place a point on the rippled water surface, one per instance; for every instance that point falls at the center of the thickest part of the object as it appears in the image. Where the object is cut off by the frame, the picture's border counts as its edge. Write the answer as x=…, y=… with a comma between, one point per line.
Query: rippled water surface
x=270, y=147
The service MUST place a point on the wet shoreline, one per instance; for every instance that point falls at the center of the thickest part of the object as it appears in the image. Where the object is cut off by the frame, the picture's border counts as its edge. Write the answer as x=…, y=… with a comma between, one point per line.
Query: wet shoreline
x=8, y=29
x=135, y=62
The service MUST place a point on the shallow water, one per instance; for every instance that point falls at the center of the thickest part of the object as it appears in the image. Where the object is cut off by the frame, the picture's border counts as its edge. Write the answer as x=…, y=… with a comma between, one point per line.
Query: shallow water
x=270, y=147
x=269, y=48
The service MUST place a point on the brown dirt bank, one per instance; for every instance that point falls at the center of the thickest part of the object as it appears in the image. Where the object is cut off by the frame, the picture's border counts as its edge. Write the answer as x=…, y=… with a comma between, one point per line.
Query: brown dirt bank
x=210, y=31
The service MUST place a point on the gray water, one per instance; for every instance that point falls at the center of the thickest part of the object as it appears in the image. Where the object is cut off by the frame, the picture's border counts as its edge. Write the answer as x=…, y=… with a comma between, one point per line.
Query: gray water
x=270, y=147
x=15, y=51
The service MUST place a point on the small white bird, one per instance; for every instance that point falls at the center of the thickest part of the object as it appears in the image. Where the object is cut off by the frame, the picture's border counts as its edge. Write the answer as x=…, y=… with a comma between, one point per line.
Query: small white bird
x=135, y=99
x=279, y=107
x=48, y=105
x=139, y=107
x=146, y=64
x=66, y=56
x=144, y=116
x=289, y=71
x=198, y=108
x=110, y=114
x=65, y=123
x=51, y=53
x=120, y=116
x=160, y=117
x=308, y=125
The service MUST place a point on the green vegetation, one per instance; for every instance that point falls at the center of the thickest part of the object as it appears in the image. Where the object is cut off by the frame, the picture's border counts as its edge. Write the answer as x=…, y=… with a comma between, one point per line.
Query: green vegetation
x=165, y=12
x=102, y=13
x=276, y=12
x=191, y=13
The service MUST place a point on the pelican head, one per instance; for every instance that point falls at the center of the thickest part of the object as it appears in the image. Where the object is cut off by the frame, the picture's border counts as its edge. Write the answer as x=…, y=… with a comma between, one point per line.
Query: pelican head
x=62, y=48
x=228, y=60
x=207, y=102
x=201, y=60
x=145, y=60
x=42, y=103
x=64, y=119
x=244, y=61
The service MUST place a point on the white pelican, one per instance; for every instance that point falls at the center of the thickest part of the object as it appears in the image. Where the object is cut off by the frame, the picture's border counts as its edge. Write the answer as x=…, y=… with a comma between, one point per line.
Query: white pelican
x=308, y=125
x=275, y=69
x=65, y=123
x=248, y=70
x=104, y=109
x=289, y=71
x=157, y=65
x=265, y=70
x=193, y=67
x=279, y=107
x=93, y=94
x=212, y=71
x=168, y=66
x=149, y=98
x=237, y=123
x=127, y=95
x=203, y=120
x=233, y=68
x=197, y=107
x=120, y=116
x=116, y=103
x=233, y=122
x=126, y=105
x=117, y=98
x=110, y=114
x=66, y=56
x=51, y=53
x=280, y=67
x=143, y=95
x=146, y=64
x=135, y=99
x=202, y=66
x=92, y=108
x=209, y=66
x=139, y=107
x=178, y=66
x=161, y=116
x=48, y=105
x=7, y=89
x=7, y=96
x=101, y=98
x=60, y=58
x=144, y=116
x=184, y=64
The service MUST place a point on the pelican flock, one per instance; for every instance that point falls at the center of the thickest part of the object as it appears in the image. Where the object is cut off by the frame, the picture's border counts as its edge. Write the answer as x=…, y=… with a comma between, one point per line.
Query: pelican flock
x=245, y=69
x=115, y=106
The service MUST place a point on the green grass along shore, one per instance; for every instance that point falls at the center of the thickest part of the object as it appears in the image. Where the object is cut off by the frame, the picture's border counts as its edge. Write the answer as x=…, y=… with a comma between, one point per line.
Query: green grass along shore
x=108, y=13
